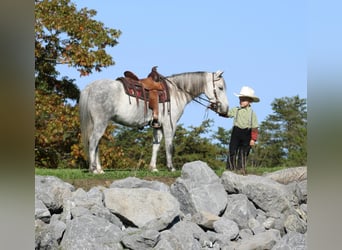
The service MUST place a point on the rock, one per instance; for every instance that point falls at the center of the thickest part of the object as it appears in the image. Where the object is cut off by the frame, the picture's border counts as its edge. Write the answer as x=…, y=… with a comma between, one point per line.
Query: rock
x=168, y=241
x=303, y=185
x=189, y=234
x=288, y=175
x=266, y=193
x=240, y=210
x=231, y=212
x=41, y=212
x=294, y=223
x=48, y=236
x=92, y=233
x=205, y=219
x=142, y=207
x=195, y=188
x=292, y=241
x=140, y=239
x=226, y=227
x=91, y=202
x=52, y=191
x=265, y=241
x=133, y=182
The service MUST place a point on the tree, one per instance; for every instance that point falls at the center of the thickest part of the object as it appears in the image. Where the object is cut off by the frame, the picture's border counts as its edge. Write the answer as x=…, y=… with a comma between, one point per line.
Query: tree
x=136, y=146
x=65, y=35
x=191, y=145
x=222, y=138
x=283, y=135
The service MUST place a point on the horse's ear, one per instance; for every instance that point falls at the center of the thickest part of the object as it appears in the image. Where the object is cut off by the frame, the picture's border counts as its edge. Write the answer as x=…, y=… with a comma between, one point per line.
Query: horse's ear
x=219, y=73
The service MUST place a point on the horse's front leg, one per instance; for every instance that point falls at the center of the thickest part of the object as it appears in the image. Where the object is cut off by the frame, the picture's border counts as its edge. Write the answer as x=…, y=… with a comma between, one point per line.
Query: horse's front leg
x=168, y=135
x=169, y=152
x=157, y=137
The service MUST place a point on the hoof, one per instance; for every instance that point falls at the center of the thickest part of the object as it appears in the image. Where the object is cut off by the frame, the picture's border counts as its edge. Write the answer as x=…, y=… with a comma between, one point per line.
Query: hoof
x=97, y=171
x=173, y=170
x=154, y=170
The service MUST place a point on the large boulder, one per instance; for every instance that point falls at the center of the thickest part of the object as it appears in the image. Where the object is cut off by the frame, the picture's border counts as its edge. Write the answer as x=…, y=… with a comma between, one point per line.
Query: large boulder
x=92, y=233
x=142, y=207
x=199, y=189
x=288, y=175
x=266, y=193
x=133, y=182
x=240, y=210
x=52, y=191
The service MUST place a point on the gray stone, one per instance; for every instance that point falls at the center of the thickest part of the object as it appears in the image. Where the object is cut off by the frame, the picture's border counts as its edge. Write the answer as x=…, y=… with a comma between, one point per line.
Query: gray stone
x=266, y=193
x=240, y=210
x=245, y=233
x=294, y=223
x=81, y=203
x=303, y=185
x=141, y=239
x=142, y=207
x=91, y=233
x=255, y=226
x=47, y=236
x=189, y=234
x=219, y=240
x=40, y=211
x=226, y=227
x=205, y=219
x=168, y=241
x=130, y=216
x=133, y=182
x=52, y=191
x=261, y=241
x=292, y=241
x=288, y=175
x=195, y=188
x=295, y=189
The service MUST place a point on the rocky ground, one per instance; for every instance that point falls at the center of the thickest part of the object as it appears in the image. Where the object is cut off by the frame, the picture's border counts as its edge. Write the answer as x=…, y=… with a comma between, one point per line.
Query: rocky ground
x=198, y=211
x=87, y=184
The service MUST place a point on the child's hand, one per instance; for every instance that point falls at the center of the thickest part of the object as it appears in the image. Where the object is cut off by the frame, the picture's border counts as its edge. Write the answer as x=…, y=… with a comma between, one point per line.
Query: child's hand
x=251, y=143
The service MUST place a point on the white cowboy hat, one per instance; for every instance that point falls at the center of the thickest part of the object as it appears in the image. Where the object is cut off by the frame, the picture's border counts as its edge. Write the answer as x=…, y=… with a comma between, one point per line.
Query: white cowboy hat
x=248, y=92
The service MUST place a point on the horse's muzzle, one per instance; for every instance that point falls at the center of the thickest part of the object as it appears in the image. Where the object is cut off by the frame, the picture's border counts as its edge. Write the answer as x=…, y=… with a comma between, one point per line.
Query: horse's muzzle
x=216, y=107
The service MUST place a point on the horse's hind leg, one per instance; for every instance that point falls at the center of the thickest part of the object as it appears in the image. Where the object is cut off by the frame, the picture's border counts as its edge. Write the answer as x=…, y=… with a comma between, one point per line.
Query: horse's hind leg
x=94, y=158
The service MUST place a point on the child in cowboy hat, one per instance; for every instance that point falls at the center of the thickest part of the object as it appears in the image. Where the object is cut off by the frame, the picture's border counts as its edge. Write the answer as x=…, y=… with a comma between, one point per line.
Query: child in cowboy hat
x=245, y=130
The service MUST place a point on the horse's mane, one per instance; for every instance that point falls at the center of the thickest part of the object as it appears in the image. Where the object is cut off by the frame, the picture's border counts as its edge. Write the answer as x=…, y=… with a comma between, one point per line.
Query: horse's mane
x=190, y=82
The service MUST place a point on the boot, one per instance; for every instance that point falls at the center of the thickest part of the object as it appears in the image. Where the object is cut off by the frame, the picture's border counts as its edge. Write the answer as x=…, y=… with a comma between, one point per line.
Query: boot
x=230, y=165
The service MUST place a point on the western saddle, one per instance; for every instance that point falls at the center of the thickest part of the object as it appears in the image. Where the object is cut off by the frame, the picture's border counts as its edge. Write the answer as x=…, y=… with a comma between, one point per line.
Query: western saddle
x=152, y=89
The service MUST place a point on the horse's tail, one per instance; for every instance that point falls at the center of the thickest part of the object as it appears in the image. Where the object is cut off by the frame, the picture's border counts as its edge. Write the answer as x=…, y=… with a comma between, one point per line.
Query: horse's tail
x=86, y=121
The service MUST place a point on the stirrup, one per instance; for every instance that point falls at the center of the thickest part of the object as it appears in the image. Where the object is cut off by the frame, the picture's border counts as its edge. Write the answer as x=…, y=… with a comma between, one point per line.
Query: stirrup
x=155, y=124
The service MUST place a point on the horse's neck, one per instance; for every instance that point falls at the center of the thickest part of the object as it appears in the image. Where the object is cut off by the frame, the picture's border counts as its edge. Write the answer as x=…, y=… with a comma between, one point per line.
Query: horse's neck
x=190, y=84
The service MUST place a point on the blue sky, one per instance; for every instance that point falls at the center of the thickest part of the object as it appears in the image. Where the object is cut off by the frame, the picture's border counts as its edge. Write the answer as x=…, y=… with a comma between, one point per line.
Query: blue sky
x=261, y=44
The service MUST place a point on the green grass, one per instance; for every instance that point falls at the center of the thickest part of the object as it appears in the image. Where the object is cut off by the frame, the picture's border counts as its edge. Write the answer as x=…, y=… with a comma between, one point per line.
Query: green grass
x=74, y=174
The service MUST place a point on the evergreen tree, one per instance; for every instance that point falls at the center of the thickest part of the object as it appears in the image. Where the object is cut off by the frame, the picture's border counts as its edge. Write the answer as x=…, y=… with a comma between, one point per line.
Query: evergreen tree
x=283, y=135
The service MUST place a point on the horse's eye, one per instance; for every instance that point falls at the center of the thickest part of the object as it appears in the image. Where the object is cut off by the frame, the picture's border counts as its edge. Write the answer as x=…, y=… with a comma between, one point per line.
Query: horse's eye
x=220, y=88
